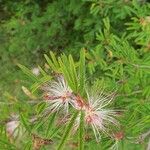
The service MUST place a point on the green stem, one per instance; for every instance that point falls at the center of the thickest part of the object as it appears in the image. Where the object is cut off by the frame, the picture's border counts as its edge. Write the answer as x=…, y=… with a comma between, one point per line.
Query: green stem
x=67, y=132
x=81, y=132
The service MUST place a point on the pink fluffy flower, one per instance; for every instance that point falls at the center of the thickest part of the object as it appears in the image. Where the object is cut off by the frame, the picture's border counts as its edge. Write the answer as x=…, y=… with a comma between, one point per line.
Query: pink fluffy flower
x=97, y=115
x=59, y=95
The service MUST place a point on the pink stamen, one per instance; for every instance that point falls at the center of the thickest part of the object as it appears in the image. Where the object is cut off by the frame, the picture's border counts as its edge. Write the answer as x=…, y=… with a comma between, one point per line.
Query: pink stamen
x=80, y=102
x=48, y=97
x=119, y=135
x=64, y=97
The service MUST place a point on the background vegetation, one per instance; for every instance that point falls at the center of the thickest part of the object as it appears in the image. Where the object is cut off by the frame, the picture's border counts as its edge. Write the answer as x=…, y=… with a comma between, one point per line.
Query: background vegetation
x=115, y=34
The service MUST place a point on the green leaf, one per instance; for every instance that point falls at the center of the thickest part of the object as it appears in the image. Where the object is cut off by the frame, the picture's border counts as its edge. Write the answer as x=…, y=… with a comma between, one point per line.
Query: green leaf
x=55, y=62
x=40, y=107
x=39, y=123
x=50, y=124
x=43, y=80
x=28, y=145
x=106, y=23
x=73, y=72
x=25, y=123
x=65, y=72
x=55, y=131
x=81, y=132
x=42, y=71
x=67, y=132
x=28, y=72
x=82, y=71
x=11, y=146
x=50, y=63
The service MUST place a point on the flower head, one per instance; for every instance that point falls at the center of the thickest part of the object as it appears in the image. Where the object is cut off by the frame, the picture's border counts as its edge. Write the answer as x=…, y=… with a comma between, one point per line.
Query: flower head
x=97, y=116
x=58, y=95
x=11, y=127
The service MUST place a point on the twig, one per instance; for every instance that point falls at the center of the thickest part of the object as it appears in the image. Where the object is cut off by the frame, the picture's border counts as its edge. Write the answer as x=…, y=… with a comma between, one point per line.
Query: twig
x=142, y=137
x=133, y=93
x=148, y=146
x=140, y=66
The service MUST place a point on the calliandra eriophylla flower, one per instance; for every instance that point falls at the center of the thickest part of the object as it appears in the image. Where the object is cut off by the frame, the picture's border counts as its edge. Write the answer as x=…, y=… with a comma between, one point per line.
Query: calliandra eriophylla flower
x=58, y=95
x=15, y=131
x=97, y=115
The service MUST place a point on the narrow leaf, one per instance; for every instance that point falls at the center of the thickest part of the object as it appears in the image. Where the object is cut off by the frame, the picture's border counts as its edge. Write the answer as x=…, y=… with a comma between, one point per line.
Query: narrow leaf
x=65, y=72
x=50, y=63
x=50, y=124
x=42, y=71
x=55, y=62
x=25, y=123
x=82, y=70
x=81, y=132
x=36, y=85
x=67, y=132
x=28, y=72
x=73, y=72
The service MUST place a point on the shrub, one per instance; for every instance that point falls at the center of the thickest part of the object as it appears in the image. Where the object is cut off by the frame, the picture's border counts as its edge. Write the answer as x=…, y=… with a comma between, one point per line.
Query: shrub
x=112, y=66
